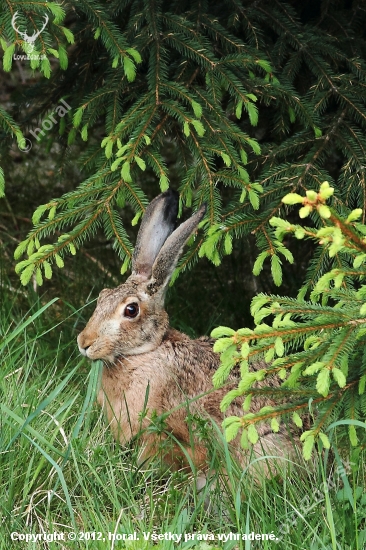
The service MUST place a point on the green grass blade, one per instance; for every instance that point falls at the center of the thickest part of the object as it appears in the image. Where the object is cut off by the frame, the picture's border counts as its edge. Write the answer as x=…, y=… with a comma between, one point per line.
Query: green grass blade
x=45, y=403
x=60, y=476
x=23, y=325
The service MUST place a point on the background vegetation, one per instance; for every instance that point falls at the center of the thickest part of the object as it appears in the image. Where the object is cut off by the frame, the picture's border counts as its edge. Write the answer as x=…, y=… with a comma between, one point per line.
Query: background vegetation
x=232, y=103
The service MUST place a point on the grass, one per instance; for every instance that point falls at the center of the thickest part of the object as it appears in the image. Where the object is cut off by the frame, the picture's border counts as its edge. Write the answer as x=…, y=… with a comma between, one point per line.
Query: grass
x=61, y=471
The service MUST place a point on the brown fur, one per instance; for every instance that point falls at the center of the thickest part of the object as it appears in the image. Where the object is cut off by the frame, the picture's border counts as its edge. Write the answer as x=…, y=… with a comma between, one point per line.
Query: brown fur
x=146, y=360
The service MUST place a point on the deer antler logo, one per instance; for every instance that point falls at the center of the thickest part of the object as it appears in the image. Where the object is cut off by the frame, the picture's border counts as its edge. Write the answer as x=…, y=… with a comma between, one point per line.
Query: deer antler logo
x=29, y=39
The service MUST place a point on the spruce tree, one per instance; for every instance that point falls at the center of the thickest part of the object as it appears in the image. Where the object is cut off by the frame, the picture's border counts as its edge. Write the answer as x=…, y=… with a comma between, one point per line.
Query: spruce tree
x=141, y=76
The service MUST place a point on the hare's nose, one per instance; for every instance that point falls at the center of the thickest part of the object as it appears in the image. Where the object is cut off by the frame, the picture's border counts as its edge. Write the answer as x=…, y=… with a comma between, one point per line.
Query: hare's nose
x=83, y=345
x=83, y=351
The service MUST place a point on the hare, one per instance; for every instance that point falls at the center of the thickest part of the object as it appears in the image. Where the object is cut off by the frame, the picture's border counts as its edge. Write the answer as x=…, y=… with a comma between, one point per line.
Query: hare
x=150, y=368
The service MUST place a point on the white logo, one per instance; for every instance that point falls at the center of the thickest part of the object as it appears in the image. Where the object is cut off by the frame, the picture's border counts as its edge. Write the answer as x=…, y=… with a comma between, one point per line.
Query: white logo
x=29, y=39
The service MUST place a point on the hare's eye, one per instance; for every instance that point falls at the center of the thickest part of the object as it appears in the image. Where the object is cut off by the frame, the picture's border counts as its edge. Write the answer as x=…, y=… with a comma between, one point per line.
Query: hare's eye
x=131, y=310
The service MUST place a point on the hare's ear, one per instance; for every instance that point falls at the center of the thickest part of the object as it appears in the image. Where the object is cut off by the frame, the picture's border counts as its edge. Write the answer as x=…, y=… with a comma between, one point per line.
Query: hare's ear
x=156, y=226
x=169, y=254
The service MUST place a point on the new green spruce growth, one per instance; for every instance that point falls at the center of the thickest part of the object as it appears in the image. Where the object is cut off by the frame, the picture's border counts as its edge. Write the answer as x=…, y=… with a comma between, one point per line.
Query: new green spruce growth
x=316, y=346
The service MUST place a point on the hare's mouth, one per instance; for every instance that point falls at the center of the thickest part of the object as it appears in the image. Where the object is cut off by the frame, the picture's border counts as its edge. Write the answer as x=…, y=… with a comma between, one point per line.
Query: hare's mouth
x=89, y=354
x=92, y=351
x=95, y=356
x=83, y=351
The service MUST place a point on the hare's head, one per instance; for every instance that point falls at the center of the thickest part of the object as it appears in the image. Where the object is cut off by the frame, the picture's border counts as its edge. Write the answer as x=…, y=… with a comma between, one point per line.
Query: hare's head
x=131, y=319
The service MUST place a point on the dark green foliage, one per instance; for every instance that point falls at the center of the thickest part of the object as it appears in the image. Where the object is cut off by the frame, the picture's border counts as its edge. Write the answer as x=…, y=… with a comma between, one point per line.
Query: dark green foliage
x=208, y=80
x=12, y=17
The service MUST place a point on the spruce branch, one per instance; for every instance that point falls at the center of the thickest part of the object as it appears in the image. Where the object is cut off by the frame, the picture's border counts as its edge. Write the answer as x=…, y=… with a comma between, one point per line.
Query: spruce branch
x=309, y=346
